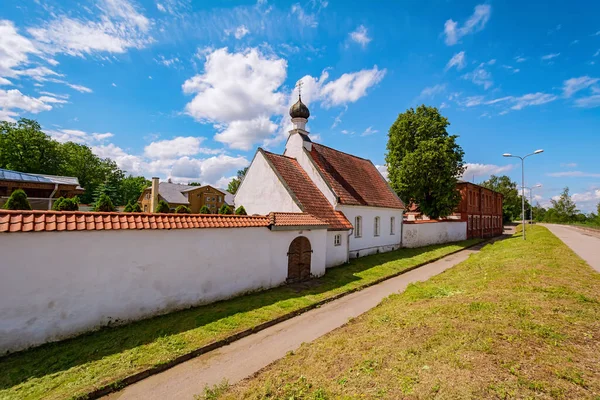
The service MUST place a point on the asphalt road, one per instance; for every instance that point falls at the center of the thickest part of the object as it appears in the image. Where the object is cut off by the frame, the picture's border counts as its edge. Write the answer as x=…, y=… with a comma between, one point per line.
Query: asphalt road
x=584, y=242
x=248, y=355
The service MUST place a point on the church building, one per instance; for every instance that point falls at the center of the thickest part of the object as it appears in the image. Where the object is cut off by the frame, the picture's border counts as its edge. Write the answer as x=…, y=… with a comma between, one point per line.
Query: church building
x=362, y=212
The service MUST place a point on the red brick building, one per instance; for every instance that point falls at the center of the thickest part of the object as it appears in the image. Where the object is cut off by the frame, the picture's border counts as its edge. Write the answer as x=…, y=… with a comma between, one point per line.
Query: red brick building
x=481, y=209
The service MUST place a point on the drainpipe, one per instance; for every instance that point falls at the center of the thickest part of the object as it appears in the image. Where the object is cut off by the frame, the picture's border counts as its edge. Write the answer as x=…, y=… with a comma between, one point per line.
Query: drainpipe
x=401, y=228
x=51, y=196
x=348, y=244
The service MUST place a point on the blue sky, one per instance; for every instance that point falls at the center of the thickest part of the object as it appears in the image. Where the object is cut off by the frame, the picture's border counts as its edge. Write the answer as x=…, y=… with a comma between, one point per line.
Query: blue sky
x=189, y=90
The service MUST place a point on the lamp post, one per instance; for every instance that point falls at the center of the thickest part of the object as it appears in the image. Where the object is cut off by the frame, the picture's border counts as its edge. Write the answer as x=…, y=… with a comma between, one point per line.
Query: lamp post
x=523, y=182
x=531, y=200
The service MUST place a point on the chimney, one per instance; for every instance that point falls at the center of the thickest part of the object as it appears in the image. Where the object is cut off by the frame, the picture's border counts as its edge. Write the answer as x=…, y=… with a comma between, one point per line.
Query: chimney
x=154, y=193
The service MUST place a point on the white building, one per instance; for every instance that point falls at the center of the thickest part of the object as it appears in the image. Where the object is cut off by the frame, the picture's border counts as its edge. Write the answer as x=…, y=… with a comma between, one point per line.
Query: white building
x=363, y=213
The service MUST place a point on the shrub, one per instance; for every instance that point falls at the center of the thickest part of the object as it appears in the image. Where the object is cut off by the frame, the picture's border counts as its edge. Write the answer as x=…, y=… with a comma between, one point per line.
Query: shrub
x=183, y=210
x=104, y=204
x=128, y=207
x=136, y=207
x=17, y=201
x=205, y=210
x=66, y=204
x=240, y=211
x=57, y=203
x=225, y=209
x=162, y=207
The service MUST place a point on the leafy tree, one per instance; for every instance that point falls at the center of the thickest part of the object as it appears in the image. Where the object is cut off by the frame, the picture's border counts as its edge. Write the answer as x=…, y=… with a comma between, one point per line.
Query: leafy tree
x=128, y=207
x=234, y=185
x=511, y=203
x=162, y=207
x=136, y=207
x=565, y=209
x=194, y=184
x=104, y=204
x=131, y=187
x=66, y=204
x=183, y=210
x=17, y=201
x=240, y=211
x=424, y=161
x=539, y=212
x=204, y=210
x=57, y=203
x=225, y=209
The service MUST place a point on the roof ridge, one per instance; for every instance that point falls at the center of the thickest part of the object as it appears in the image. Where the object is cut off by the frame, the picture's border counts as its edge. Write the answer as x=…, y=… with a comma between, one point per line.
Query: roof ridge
x=278, y=155
x=112, y=213
x=343, y=152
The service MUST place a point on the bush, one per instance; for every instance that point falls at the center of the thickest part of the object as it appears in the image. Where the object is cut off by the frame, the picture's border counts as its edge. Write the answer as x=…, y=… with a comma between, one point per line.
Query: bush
x=136, y=207
x=66, y=204
x=104, y=204
x=162, y=207
x=183, y=210
x=240, y=211
x=205, y=210
x=128, y=207
x=17, y=201
x=225, y=209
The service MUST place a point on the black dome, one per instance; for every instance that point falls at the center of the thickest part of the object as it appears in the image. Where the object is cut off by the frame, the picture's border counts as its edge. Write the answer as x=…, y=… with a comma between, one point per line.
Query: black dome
x=299, y=110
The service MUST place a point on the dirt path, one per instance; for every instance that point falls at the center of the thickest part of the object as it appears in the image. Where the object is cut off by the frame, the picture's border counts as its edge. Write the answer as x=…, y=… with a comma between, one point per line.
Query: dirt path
x=248, y=355
x=584, y=242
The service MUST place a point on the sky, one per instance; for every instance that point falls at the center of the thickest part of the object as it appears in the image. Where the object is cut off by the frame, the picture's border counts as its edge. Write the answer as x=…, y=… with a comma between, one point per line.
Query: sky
x=189, y=90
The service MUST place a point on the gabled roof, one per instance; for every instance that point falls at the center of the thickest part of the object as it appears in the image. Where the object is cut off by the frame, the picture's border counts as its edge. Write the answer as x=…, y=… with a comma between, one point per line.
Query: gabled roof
x=356, y=181
x=172, y=193
x=304, y=192
x=8, y=175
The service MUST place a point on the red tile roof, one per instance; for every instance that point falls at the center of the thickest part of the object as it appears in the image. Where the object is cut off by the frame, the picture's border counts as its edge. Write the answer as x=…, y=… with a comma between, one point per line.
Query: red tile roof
x=308, y=197
x=294, y=219
x=39, y=221
x=355, y=180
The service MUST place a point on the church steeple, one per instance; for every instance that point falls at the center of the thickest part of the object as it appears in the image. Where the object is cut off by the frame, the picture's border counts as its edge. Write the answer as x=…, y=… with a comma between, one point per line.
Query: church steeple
x=299, y=112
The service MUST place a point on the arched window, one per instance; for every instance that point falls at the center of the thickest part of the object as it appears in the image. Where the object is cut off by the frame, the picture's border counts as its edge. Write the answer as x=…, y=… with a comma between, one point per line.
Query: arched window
x=377, y=226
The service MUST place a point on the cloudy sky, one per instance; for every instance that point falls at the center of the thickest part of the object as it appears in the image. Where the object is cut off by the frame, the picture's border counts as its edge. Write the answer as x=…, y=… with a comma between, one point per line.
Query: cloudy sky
x=189, y=90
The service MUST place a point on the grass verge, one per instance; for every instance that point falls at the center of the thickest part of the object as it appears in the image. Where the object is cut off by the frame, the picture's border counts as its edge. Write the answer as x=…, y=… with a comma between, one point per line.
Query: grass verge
x=75, y=367
x=516, y=320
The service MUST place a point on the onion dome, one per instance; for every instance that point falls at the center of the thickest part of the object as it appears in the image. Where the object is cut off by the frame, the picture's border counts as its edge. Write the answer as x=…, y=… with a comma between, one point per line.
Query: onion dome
x=299, y=110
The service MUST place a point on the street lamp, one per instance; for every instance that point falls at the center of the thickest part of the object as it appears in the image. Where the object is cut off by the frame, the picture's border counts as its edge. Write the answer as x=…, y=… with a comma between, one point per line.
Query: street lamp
x=539, y=185
x=523, y=182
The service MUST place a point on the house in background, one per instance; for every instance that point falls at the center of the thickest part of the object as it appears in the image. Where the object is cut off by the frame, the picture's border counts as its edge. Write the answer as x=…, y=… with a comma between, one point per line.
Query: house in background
x=194, y=197
x=41, y=189
x=363, y=213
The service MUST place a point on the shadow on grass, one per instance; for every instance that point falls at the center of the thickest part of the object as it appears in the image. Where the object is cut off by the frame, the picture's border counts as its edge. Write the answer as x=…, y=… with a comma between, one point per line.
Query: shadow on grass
x=59, y=356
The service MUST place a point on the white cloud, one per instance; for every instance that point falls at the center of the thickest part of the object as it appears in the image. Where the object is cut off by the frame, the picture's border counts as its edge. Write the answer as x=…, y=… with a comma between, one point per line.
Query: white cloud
x=12, y=100
x=587, y=201
x=14, y=49
x=176, y=147
x=597, y=53
x=351, y=86
x=475, y=23
x=304, y=18
x=511, y=68
x=550, y=56
x=167, y=62
x=457, y=60
x=520, y=59
x=573, y=174
x=574, y=85
x=119, y=27
x=588, y=102
x=532, y=99
x=568, y=165
x=5, y=82
x=79, y=88
x=78, y=136
x=361, y=36
x=369, y=131
x=243, y=134
x=241, y=31
x=480, y=76
x=484, y=170
x=431, y=91
x=383, y=170
x=58, y=96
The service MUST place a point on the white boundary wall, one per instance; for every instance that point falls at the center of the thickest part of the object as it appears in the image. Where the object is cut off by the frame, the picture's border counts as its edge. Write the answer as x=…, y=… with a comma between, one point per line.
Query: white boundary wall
x=424, y=234
x=58, y=284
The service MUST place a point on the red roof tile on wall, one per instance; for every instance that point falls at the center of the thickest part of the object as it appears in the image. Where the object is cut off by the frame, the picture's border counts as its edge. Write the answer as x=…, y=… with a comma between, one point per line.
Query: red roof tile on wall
x=355, y=180
x=40, y=221
x=309, y=197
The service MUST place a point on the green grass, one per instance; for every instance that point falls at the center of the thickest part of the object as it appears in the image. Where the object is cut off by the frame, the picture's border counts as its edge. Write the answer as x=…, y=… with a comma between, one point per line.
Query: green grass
x=74, y=367
x=516, y=320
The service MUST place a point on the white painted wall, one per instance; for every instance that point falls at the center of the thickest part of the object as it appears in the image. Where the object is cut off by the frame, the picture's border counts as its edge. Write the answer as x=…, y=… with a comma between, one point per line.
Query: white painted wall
x=58, y=284
x=295, y=148
x=424, y=234
x=369, y=243
x=336, y=255
x=261, y=191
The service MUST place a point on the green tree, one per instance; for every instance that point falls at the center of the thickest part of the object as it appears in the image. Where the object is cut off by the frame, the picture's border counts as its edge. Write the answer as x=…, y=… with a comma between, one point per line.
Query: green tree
x=564, y=208
x=183, y=210
x=424, y=161
x=162, y=207
x=234, y=185
x=104, y=204
x=225, y=209
x=66, y=204
x=17, y=201
x=511, y=202
x=136, y=207
x=204, y=210
x=539, y=212
x=132, y=187
x=194, y=184
x=128, y=207
x=240, y=211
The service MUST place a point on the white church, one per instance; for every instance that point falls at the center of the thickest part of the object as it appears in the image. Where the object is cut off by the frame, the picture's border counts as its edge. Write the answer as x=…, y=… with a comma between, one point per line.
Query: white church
x=362, y=212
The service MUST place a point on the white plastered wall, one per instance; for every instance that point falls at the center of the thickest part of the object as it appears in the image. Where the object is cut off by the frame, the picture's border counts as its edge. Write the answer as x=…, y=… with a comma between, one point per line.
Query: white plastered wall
x=261, y=191
x=424, y=234
x=58, y=284
x=368, y=243
x=337, y=255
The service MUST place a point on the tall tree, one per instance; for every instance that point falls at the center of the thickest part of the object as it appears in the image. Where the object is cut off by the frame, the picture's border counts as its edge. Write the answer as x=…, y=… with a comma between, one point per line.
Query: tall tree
x=564, y=207
x=132, y=187
x=235, y=182
x=511, y=203
x=424, y=161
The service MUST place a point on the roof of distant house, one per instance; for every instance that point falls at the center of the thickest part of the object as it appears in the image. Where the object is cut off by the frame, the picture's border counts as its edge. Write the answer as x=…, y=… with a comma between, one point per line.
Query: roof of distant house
x=355, y=180
x=308, y=197
x=8, y=175
x=172, y=193
x=47, y=221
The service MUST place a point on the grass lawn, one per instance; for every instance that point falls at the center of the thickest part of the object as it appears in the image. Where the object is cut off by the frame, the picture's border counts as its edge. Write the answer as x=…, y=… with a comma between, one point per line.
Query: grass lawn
x=517, y=320
x=74, y=367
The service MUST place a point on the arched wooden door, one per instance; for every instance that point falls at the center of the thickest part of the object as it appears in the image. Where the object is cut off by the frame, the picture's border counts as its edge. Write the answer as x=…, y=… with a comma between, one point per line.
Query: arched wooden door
x=299, y=256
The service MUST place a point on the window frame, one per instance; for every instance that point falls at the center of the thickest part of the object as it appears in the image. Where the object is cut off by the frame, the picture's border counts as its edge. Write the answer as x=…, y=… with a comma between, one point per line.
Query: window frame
x=377, y=226
x=392, y=225
x=358, y=226
x=337, y=240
